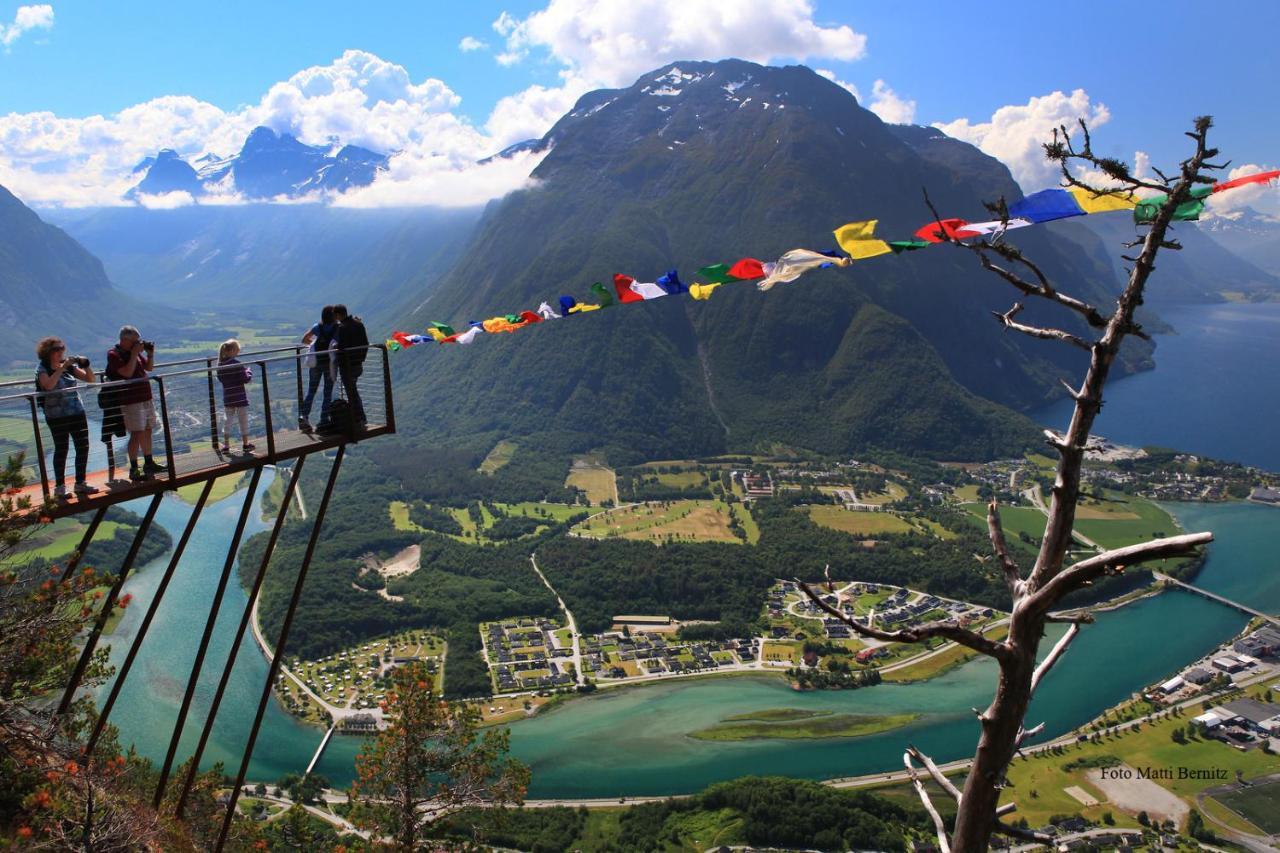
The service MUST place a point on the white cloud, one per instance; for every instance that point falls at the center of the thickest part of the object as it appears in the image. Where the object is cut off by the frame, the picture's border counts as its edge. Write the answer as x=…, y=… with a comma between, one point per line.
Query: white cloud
x=831, y=75
x=1261, y=196
x=1015, y=133
x=470, y=43
x=25, y=19
x=891, y=108
x=166, y=201
x=358, y=99
x=439, y=180
x=609, y=43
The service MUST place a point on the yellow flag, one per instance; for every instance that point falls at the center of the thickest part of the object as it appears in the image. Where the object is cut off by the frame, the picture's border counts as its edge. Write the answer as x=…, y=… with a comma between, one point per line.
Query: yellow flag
x=437, y=334
x=702, y=291
x=579, y=308
x=858, y=240
x=1091, y=203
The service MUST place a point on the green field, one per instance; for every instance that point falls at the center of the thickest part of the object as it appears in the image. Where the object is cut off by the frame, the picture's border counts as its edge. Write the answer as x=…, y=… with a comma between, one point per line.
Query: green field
x=1260, y=805
x=811, y=727
x=597, y=481
x=942, y=662
x=690, y=520
x=683, y=479
x=748, y=523
x=499, y=456
x=856, y=523
x=1130, y=520
x=57, y=540
x=473, y=534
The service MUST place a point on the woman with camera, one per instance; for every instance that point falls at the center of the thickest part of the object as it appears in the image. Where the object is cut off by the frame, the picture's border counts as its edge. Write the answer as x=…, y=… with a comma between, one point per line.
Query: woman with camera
x=63, y=412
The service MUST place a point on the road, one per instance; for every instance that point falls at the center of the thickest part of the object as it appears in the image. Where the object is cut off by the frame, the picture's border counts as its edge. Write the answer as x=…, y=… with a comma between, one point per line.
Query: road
x=1037, y=500
x=569, y=621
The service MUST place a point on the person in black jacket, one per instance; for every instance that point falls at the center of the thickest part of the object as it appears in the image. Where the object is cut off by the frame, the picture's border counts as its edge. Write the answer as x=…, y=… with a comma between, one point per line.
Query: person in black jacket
x=353, y=346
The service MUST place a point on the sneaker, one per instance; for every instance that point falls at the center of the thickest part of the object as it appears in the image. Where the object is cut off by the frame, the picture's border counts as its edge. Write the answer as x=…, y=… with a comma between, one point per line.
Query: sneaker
x=60, y=492
x=150, y=467
x=226, y=448
x=137, y=475
x=304, y=424
x=248, y=448
x=85, y=489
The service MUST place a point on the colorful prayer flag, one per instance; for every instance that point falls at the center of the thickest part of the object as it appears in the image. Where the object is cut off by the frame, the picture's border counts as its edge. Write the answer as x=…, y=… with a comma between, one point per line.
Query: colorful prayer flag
x=1188, y=211
x=671, y=283
x=1046, y=206
x=1260, y=178
x=945, y=229
x=794, y=264
x=717, y=274
x=900, y=246
x=547, y=312
x=603, y=294
x=858, y=241
x=1091, y=202
x=747, y=269
x=702, y=292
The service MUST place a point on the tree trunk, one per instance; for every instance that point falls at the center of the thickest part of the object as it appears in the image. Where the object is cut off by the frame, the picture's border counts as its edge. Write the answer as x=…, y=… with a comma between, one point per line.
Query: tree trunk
x=1001, y=724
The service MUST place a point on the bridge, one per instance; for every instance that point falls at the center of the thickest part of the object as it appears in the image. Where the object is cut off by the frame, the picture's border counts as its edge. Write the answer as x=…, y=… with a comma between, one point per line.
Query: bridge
x=1218, y=598
x=191, y=455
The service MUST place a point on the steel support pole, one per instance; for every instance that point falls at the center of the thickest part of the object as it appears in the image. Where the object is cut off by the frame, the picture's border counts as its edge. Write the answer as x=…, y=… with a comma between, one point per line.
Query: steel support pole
x=278, y=654
x=78, y=554
x=266, y=413
x=146, y=620
x=218, y=694
x=194, y=678
x=108, y=604
x=388, y=404
x=170, y=463
x=213, y=406
x=35, y=427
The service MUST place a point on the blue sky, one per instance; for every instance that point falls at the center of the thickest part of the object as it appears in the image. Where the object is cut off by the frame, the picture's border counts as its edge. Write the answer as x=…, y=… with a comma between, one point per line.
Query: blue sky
x=954, y=61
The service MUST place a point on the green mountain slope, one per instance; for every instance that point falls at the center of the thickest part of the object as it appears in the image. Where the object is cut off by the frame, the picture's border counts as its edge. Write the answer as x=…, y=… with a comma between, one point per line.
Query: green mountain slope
x=51, y=285
x=704, y=162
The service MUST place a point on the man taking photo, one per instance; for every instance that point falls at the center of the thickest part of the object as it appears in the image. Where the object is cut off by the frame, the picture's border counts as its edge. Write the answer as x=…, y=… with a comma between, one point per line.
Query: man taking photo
x=131, y=359
x=353, y=346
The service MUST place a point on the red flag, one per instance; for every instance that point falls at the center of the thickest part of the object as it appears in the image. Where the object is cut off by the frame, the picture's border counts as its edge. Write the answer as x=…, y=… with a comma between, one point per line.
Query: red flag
x=747, y=269
x=937, y=231
x=1260, y=178
x=622, y=284
x=530, y=317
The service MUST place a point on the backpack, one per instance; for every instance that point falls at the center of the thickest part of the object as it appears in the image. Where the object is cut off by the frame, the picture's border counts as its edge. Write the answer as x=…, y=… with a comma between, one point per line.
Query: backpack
x=341, y=419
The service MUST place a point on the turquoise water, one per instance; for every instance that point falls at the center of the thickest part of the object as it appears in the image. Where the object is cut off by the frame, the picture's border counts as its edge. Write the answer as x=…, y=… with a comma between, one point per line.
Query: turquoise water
x=1221, y=375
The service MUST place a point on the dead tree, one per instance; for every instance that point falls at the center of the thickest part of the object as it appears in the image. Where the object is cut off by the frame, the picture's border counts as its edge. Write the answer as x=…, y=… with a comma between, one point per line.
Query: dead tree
x=1036, y=595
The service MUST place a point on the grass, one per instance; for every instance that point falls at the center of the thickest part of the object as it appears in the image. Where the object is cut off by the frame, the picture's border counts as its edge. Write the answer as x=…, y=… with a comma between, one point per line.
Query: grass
x=683, y=479
x=597, y=481
x=856, y=523
x=500, y=455
x=690, y=520
x=892, y=492
x=59, y=539
x=776, y=715
x=941, y=662
x=748, y=523
x=967, y=494
x=825, y=726
x=1260, y=805
x=1125, y=522
x=473, y=534
x=931, y=526
x=223, y=487
x=779, y=651
x=1150, y=746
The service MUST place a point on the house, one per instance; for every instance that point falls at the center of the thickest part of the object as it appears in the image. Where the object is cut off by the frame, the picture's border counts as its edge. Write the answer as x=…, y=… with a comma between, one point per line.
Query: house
x=1198, y=676
x=1262, y=717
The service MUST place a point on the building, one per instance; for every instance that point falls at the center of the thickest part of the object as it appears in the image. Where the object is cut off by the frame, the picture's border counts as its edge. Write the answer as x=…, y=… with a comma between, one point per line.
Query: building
x=1262, y=717
x=1173, y=685
x=643, y=621
x=1265, y=495
x=1198, y=676
x=1226, y=664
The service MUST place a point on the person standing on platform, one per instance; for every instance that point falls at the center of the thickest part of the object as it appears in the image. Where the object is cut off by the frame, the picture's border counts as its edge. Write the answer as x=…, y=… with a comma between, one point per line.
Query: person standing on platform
x=63, y=412
x=235, y=402
x=319, y=336
x=130, y=359
x=353, y=346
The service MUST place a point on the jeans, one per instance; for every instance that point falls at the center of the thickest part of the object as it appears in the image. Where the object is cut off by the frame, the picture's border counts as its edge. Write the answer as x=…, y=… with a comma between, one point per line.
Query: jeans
x=319, y=372
x=66, y=430
x=350, y=376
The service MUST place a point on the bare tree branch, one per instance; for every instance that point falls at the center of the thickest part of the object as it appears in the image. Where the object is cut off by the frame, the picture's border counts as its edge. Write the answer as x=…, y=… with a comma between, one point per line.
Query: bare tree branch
x=1084, y=618
x=1012, y=576
x=1006, y=319
x=949, y=630
x=1024, y=834
x=1054, y=654
x=1086, y=570
x=938, y=825
x=943, y=782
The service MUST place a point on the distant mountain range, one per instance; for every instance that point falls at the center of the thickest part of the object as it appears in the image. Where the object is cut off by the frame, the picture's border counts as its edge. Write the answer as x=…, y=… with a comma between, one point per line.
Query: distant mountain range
x=1249, y=234
x=702, y=162
x=269, y=165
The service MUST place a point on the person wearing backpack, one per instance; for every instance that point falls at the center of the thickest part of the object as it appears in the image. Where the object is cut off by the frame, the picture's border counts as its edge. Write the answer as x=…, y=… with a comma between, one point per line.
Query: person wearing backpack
x=353, y=346
x=319, y=337
x=63, y=412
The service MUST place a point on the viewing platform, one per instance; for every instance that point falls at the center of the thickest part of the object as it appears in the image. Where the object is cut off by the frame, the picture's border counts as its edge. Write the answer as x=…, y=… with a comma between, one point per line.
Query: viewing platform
x=189, y=426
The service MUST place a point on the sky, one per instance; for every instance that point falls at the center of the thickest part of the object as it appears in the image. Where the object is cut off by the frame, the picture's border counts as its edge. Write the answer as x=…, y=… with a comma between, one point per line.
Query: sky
x=87, y=89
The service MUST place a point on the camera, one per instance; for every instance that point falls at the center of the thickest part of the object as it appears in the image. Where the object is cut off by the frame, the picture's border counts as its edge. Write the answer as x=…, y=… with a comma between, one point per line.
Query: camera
x=148, y=344
x=80, y=361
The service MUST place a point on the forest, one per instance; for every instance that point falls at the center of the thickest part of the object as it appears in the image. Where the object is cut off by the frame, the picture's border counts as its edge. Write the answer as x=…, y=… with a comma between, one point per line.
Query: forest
x=770, y=811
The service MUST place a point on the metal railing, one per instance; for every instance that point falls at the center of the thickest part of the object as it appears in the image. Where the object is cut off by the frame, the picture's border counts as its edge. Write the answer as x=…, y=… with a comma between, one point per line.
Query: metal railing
x=191, y=420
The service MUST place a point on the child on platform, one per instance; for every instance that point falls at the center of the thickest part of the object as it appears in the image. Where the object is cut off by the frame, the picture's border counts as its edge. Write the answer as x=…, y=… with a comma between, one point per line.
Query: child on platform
x=235, y=401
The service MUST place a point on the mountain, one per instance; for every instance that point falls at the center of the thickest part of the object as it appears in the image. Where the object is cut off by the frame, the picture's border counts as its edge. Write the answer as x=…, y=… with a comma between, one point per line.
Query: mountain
x=51, y=285
x=269, y=165
x=702, y=162
x=1253, y=236
x=271, y=256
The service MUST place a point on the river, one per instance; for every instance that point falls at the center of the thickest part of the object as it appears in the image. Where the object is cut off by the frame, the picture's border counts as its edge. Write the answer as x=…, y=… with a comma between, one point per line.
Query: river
x=632, y=741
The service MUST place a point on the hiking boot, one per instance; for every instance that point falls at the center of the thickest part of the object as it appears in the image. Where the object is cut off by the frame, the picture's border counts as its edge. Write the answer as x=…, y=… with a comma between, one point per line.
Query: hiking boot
x=137, y=475
x=83, y=488
x=304, y=425
x=150, y=467
x=60, y=492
